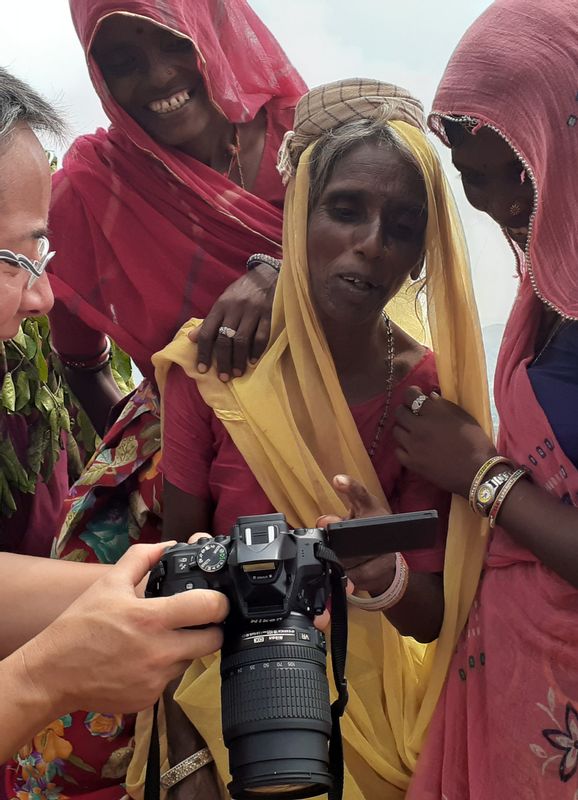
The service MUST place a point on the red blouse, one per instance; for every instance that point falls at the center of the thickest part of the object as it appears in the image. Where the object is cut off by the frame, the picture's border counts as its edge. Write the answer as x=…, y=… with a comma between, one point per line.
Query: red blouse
x=200, y=458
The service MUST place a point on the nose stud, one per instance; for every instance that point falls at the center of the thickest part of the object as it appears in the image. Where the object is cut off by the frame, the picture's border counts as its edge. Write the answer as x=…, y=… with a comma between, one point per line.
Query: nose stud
x=515, y=208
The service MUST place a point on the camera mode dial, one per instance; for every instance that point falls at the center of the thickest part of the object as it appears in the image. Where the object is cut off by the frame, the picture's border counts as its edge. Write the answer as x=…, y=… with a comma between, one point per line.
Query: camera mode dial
x=212, y=557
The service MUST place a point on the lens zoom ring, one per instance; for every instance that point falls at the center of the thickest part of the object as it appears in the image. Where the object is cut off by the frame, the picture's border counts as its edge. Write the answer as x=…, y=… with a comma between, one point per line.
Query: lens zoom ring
x=270, y=694
x=254, y=655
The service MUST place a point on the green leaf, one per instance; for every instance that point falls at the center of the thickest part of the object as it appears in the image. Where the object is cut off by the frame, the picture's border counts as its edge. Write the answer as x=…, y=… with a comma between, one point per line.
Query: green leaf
x=53, y=422
x=20, y=339
x=75, y=465
x=8, y=501
x=121, y=364
x=12, y=468
x=22, y=389
x=8, y=393
x=41, y=363
x=64, y=419
x=31, y=347
x=43, y=400
x=35, y=448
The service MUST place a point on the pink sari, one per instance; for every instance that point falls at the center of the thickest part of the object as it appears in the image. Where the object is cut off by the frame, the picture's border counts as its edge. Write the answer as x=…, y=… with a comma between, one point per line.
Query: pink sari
x=507, y=722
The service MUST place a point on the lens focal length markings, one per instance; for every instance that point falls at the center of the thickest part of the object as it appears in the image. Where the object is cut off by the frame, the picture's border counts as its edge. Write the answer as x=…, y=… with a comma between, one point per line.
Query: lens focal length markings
x=275, y=702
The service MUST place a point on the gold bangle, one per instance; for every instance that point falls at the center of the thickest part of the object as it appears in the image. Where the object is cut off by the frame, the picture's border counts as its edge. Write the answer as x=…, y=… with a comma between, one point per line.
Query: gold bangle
x=504, y=492
x=481, y=474
x=185, y=768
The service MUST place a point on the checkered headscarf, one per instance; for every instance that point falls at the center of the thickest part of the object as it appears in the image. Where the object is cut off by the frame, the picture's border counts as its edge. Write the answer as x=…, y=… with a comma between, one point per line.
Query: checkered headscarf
x=328, y=106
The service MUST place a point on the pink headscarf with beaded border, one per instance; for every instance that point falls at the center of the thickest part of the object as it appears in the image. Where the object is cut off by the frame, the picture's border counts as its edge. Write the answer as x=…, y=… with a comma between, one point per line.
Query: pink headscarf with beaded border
x=516, y=70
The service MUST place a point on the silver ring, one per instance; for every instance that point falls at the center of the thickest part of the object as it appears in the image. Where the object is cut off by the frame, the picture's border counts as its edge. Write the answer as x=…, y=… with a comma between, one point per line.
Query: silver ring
x=228, y=332
x=418, y=403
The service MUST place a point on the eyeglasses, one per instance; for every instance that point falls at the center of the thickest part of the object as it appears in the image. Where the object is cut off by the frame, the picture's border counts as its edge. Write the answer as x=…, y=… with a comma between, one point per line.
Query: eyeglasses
x=35, y=268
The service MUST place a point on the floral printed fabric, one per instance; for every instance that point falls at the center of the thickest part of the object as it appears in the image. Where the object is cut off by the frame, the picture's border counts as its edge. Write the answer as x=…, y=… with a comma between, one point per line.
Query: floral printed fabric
x=115, y=502
x=117, y=499
x=507, y=724
x=49, y=767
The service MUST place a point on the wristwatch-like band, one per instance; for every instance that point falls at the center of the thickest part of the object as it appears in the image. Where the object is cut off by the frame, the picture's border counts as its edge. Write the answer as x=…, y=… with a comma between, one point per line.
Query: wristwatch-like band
x=487, y=491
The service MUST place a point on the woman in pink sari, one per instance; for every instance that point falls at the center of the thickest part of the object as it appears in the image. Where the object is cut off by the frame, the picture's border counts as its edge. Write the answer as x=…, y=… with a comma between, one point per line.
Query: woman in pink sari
x=507, y=722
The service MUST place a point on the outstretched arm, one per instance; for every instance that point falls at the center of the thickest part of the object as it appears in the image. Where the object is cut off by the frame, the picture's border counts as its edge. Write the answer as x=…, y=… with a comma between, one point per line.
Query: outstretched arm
x=110, y=650
x=446, y=446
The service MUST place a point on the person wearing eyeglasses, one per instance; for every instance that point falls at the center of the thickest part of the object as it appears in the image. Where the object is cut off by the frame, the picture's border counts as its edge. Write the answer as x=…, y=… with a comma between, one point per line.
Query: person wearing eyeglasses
x=72, y=635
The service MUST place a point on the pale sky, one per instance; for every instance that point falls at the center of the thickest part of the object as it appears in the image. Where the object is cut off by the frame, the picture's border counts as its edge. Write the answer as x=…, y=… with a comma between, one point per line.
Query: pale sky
x=407, y=42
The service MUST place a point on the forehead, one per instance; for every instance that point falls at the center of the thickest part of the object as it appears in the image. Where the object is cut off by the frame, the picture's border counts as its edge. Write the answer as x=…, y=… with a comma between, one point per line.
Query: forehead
x=24, y=186
x=379, y=169
x=119, y=28
x=484, y=150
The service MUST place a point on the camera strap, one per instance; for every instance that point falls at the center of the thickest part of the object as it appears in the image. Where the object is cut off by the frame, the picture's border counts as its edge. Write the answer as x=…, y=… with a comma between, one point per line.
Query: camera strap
x=152, y=787
x=338, y=580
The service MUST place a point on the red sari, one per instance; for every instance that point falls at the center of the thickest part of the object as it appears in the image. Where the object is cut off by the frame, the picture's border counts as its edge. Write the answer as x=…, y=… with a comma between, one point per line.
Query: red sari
x=146, y=238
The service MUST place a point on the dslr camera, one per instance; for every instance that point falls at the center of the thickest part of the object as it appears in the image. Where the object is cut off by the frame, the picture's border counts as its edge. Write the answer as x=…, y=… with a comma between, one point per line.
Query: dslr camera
x=276, y=713
x=282, y=734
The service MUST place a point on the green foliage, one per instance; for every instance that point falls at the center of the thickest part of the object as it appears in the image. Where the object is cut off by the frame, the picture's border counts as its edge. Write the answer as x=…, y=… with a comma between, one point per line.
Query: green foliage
x=32, y=386
x=31, y=389
x=121, y=367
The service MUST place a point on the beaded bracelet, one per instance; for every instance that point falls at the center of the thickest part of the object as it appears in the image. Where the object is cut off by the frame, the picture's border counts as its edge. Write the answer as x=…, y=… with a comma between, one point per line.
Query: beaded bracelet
x=95, y=364
x=262, y=258
x=504, y=492
x=185, y=768
x=392, y=595
x=481, y=474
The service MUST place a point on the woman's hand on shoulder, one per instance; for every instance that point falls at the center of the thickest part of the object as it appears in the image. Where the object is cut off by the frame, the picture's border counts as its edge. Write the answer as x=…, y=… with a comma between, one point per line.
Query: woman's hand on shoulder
x=440, y=441
x=237, y=328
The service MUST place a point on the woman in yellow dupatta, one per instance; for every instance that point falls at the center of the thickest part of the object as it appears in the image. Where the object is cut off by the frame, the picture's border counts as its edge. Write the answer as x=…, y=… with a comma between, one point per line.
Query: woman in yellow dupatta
x=291, y=422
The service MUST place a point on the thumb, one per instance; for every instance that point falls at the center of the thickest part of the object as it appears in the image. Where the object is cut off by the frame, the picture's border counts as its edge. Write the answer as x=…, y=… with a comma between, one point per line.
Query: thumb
x=326, y=519
x=361, y=502
x=137, y=561
x=194, y=334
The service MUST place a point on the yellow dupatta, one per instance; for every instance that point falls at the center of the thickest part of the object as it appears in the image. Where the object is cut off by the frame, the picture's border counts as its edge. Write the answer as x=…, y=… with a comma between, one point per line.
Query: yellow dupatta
x=290, y=420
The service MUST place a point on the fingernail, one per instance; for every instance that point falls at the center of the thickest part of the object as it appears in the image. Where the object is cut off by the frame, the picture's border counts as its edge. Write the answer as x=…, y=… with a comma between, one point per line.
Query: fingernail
x=341, y=480
x=237, y=373
x=253, y=360
x=202, y=368
x=224, y=376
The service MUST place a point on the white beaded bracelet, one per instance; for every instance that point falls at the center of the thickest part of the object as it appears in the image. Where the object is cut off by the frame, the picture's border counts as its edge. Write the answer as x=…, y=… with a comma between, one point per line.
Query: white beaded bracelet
x=392, y=595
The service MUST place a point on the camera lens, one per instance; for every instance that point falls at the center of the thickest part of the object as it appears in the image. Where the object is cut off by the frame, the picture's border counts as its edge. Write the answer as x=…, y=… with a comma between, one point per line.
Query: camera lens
x=276, y=711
